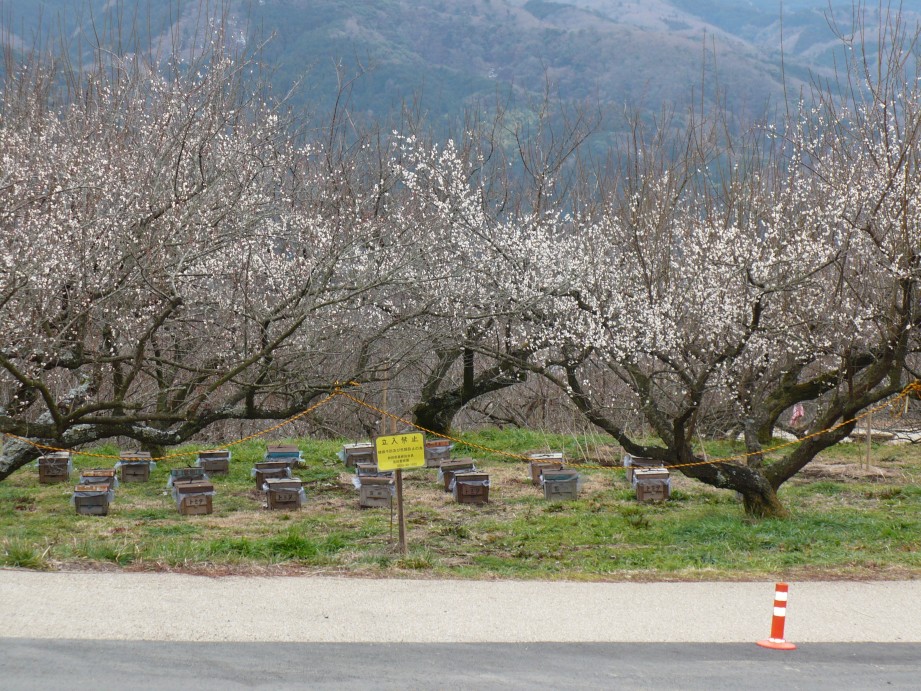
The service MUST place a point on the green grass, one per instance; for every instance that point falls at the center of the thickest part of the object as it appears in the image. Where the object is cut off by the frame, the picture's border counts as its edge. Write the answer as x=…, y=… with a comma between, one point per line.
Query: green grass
x=21, y=554
x=838, y=527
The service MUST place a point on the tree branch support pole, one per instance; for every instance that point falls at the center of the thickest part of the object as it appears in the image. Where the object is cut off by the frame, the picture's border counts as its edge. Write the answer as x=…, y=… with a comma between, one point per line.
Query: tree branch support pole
x=869, y=437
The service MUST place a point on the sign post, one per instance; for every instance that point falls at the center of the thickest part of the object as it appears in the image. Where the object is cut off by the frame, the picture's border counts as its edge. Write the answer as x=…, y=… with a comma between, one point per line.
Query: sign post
x=395, y=452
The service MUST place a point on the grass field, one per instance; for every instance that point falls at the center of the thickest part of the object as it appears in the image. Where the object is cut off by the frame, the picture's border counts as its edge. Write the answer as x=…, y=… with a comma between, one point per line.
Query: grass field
x=845, y=523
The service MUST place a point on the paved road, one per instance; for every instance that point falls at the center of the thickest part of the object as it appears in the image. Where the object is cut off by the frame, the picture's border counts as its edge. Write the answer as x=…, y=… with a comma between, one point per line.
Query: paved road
x=92, y=665
x=165, y=631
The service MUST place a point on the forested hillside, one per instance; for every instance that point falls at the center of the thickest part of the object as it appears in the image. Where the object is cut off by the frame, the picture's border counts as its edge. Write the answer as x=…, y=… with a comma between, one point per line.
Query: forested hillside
x=442, y=56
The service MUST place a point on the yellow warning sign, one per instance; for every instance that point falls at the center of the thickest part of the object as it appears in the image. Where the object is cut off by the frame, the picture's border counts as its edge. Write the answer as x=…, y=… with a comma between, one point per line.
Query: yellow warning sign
x=400, y=451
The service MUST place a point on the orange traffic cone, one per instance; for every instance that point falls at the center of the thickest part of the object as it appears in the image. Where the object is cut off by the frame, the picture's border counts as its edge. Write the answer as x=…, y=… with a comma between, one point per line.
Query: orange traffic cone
x=776, y=641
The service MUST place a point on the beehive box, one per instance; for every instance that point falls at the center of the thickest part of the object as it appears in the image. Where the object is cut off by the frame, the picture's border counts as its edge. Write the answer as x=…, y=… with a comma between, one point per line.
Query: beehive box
x=186, y=474
x=470, y=488
x=652, y=484
x=270, y=470
x=98, y=476
x=375, y=492
x=283, y=452
x=633, y=462
x=354, y=453
x=437, y=451
x=214, y=461
x=134, y=471
x=560, y=485
x=191, y=486
x=447, y=470
x=370, y=470
x=540, y=460
x=194, y=497
x=134, y=466
x=92, y=500
x=539, y=467
x=284, y=494
x=54, y=467
x=195, y=504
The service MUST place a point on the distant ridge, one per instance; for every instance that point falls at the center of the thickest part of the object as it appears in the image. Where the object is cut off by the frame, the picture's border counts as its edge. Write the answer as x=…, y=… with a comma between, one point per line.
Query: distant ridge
x=447, y=55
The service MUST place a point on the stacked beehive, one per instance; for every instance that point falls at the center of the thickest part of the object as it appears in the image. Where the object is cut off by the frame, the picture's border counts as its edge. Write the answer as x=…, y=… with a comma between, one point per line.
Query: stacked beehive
x=284, y=494
x=95, y=492
x=192, y=491
x=543, y=460
x=561, y=485
x=447, y=470
x=214, y=461
x=55, y=467
x=470, y=487
x=437, y=451
x=549, y=472
x=648, y=477
x=361, y=452
x=375, y=487
x=134, y=466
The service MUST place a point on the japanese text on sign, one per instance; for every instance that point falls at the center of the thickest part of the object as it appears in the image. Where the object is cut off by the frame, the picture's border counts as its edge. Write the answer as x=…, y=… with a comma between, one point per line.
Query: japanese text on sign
x=400, y=451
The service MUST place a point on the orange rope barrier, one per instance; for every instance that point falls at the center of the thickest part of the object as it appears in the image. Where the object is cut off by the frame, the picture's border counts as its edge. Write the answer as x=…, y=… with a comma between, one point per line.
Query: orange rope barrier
x=914, y=388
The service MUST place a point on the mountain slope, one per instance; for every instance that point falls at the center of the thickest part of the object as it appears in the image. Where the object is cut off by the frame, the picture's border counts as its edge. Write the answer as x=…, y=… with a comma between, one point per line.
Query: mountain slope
x=445, y=55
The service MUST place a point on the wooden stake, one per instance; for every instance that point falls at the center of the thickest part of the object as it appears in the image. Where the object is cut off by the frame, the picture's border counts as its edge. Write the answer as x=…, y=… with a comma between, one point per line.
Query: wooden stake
x=869, y=426
x=400, y=520
x=398, y=480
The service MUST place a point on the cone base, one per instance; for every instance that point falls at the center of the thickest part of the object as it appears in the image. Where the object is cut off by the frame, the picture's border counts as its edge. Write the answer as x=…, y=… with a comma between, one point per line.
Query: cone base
x=777, y=645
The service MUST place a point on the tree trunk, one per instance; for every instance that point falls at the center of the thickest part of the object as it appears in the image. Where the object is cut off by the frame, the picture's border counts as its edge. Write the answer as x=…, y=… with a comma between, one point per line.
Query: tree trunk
x=761, y=501
x=759, y=496
x=155, y=450
x=15, y=455
x=436, y=414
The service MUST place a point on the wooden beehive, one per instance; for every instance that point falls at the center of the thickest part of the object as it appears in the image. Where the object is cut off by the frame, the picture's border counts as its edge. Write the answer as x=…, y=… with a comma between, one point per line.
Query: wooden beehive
x=652, y=484
x=284, y=494
x=92, y=500
x=471, y=488
x=270, y=470
x=214, y=461
x=561, y=485
x=284, y=452
x=631, y=463
x=54, y=467
x=370, y=470
x=192, y=486
x=186, y=474
x=360, y=452
x=437, y=451
x=134, y=471
x=194, y=497
x=375, y=492
x=134, y=466
x=538, y=467
x=449, y=468
x=195, y=504
x=98, y=476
